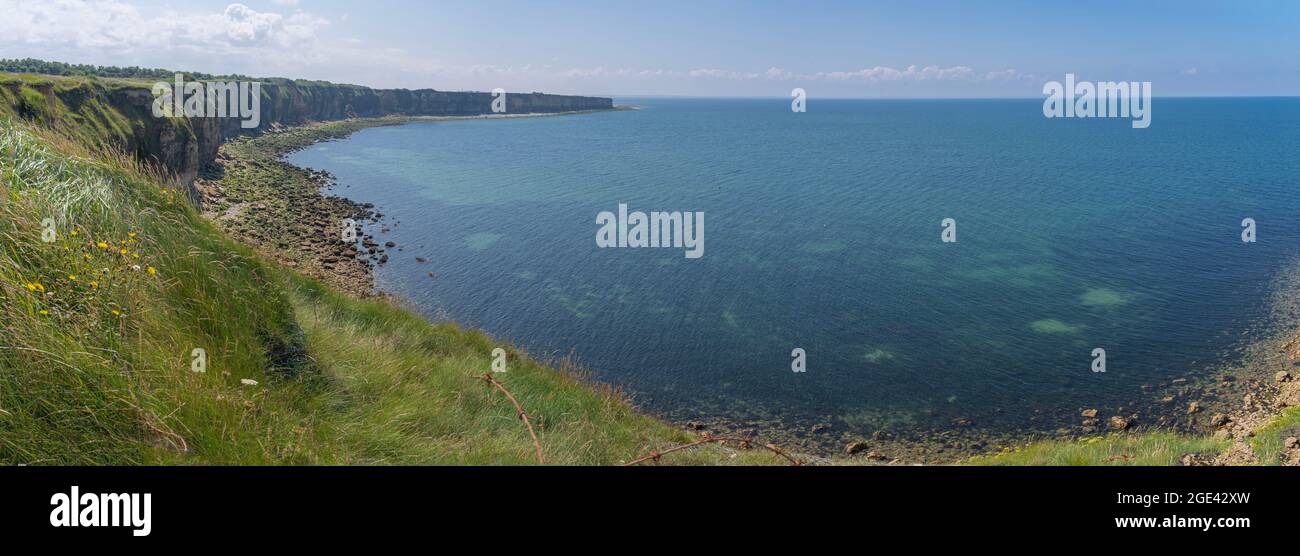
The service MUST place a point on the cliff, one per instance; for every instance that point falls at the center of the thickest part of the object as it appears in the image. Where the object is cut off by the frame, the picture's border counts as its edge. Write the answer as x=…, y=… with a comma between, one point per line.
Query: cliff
x=118, y=112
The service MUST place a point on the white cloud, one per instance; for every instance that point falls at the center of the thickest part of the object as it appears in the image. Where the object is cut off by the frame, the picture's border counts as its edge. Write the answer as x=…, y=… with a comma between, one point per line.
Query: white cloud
x=1009, y=75
x=877, y=73
x=116, y=26
x=720, y=74
x=778, y=74
x=912, y=73
x=1191, y=71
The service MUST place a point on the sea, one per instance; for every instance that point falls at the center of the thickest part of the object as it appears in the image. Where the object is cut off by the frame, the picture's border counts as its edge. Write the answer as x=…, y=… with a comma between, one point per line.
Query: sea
x=880, y=265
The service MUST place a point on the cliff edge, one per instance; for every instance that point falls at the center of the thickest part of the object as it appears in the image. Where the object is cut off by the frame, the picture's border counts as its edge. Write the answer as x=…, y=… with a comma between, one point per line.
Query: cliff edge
x=118, y=112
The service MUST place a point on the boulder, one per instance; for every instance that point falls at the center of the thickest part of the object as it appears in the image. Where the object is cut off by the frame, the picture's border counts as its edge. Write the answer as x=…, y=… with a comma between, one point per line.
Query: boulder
x=855, y=447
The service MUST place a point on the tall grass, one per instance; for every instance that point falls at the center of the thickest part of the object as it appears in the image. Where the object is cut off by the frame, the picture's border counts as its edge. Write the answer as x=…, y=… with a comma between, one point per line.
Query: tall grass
x=406, y=391
x=1268, y=440
x=98, y=325
x=1146, y=449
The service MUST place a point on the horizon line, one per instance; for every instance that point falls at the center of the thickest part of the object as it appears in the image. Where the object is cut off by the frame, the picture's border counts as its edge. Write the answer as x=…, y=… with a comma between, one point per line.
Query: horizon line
x=761, y=97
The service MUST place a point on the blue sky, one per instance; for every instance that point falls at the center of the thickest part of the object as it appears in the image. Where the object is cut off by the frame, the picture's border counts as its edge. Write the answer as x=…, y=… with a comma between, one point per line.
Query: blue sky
x=704, y=48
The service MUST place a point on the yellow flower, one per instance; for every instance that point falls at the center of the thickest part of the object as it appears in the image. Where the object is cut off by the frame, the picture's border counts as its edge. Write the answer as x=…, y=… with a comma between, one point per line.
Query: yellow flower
x=74, y=233
x=102, y=245
x=132, y=234
x=135, y=255
x=122, y=251
x=152, y=270
x=31, y=287
x=44, y=312
x=87, y=256
x=116, y=312
x=40, y=287
x=72, y=277
x=94, y=284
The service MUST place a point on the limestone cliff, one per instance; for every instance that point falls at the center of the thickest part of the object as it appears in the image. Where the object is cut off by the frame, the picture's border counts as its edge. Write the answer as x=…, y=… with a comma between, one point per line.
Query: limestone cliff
x=119, y=112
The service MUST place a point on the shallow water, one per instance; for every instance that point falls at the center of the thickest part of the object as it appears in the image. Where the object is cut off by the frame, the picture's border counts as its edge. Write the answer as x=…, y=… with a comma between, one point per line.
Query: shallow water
x=823, y=233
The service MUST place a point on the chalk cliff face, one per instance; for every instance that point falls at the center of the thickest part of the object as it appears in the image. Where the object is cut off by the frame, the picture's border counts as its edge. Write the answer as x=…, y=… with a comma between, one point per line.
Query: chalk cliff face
x=120, y=113
x=287, y=103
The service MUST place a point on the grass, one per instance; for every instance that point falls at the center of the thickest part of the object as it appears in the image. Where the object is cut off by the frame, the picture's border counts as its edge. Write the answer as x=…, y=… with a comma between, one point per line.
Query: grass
x=100, y=323
x=405, y=391
x=99, y=327
x=1267, y=442
x=1151, y=448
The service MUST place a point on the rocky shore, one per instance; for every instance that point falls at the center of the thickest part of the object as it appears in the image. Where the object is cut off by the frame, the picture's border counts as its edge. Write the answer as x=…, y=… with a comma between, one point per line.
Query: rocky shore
x=281, y=210
x=284, y=212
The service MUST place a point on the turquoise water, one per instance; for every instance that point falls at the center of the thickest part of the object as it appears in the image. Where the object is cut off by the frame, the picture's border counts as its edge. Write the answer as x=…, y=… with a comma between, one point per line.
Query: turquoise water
x=823, y=233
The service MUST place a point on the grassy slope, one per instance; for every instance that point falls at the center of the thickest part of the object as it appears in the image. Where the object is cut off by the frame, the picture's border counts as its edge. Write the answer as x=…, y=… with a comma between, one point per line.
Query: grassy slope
x=95, y=354
x=410, y=392
x=1267, y=442
x=1152, y=448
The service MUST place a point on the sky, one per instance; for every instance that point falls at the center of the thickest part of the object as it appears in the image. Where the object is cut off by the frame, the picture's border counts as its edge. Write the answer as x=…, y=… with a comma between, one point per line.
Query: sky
x=862, y=49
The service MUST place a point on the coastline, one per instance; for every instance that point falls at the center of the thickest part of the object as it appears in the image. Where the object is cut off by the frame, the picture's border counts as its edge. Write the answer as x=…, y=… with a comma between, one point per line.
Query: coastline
x=294, y=223
x=280, y=210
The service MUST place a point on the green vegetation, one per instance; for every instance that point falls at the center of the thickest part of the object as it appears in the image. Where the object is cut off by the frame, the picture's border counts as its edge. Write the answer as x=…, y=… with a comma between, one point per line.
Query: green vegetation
x=75, y=107
x=32, y=65
x=1153, y=448
x=138, y=75
x=100, y=327
x=411, y=392
x=1268, y=440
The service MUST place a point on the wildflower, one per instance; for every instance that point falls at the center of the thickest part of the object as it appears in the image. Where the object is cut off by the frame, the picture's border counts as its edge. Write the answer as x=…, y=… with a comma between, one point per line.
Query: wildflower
x=44, y=312
x=74, y=233
x=152, y=270
x=248, y=382
x=31, y=287
x=117, y=313
x=94, y=284
x=72, y=277
x=132, y=234
x=102, y=245
x=40, y=288
x=135, y=255
x=135, y=267
x=122, y=251
x=87, y=256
